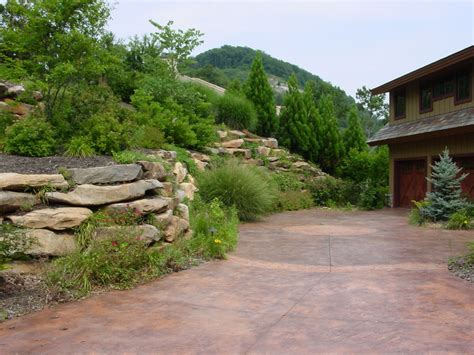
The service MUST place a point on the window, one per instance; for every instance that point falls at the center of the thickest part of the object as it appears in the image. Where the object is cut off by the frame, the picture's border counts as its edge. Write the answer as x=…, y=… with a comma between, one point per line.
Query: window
x=443, y=87
x=463, y=86
x=400, y=104
x=426, y=97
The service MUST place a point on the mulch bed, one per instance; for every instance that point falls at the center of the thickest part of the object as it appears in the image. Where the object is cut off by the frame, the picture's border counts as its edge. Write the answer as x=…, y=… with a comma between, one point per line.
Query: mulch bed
x=48, y=165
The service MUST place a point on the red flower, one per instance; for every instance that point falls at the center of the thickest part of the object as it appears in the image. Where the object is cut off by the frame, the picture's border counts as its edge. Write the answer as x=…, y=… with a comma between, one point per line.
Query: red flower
x=114, y=243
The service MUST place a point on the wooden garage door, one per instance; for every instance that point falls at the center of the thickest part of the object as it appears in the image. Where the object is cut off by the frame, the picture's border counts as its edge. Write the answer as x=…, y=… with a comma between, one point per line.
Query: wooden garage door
x=467, y=165
x=410, y=182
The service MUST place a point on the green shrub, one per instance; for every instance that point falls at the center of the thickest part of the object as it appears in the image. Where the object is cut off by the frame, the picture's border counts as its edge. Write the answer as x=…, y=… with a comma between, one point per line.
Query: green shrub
x=242, y=186
x=149, y=137
x=236, y=111
x=460, y=220
x=6, y=120
x=32, y=136
x=371, y=196
x=416, y=217
x=79, y=147
x=106, y=133
x=288, y=181
x=330, y=191
x=294, y=201
x=13, y=243
x=215, y=229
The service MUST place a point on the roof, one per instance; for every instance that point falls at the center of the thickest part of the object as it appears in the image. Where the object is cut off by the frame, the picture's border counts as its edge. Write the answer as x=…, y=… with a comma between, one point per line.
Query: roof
x=458, y=57
x=438, y=125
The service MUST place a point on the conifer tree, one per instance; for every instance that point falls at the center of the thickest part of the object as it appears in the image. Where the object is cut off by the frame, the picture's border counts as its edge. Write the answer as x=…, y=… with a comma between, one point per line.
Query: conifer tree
x=314, y=122
x=294, y=129
x=445, y=197
x=331, y=146
x=259, y=91
x=354, y=137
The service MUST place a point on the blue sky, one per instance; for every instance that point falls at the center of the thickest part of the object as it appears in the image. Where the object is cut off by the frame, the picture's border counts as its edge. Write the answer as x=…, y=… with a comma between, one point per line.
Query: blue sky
x=349, y=43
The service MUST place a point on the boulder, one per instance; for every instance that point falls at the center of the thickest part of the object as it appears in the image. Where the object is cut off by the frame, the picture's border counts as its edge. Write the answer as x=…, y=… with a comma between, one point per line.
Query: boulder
x=167, y=190
x=241, y=153
x=11, y=201
x=153, y=170
x=15, y=90
x=183, y=211
x=270, y=143
x=92, y=195
x=202, y=157
x=264, y=151
x=301, y=165
x=201, y=165
x=106, y=174
x=52, y=218
x=188, y=189
x=166, y=154
x=50, y=243
x=212, y=150
x=176, y=228
x=180, y=172
x=14, y=181
x=236, y=143
x=165, y=218
x=145, y=232
x=146, y=205
x=236, y=134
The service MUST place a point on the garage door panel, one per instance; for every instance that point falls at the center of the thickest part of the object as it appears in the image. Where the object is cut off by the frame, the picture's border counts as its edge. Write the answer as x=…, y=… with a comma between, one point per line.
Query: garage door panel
x=410, y=182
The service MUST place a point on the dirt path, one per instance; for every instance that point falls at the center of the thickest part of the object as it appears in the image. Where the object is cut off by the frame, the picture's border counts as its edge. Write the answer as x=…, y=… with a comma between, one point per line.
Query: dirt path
x=300, y=282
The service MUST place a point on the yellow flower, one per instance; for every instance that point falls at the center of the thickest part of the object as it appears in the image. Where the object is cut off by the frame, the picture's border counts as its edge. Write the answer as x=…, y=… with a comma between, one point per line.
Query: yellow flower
x=465, y=221
x=217, y=241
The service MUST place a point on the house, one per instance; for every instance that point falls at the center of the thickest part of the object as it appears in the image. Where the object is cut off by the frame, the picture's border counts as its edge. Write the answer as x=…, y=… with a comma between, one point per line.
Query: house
x=430, y=108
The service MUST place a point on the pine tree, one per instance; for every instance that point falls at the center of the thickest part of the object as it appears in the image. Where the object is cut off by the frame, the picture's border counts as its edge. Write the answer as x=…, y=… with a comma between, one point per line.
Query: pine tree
x=259, y=91
x=314, y=122
x=445, y=199
x=294, y=130
x=330, y=142
x=354, y=137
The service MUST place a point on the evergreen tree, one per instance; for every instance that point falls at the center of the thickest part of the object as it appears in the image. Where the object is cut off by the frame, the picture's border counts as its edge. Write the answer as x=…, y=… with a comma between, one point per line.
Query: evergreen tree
x=294, y=128
x=445, y=199
x=314, y=122
x=259, y=91
x=331, y=146
x=354, y=137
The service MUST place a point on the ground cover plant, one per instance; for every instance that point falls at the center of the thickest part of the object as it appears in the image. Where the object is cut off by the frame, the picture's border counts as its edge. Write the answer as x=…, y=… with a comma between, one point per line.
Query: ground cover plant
x=463, y=266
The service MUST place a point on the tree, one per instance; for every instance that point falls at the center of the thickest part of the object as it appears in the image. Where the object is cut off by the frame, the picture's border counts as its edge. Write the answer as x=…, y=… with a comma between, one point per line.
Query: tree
x=445, y=199
x=54, y=41
x=314, y=122
x=375, y=108
x=176, y=45
x=354, y=137
x=294, y=128
x=331, y=146
x=259, y=91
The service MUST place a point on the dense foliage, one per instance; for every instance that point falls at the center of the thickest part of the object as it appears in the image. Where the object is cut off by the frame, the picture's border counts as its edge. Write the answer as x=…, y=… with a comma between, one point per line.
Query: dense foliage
x=236, y=111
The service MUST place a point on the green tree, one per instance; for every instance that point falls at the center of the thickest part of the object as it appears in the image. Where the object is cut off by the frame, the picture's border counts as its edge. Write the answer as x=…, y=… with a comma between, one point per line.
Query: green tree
x=56, y=42
x=259, y=91
x=331, y=145
x=354, y=137
x=445, y=199
x=314, y=122
x=294, y=127
x=374, y=108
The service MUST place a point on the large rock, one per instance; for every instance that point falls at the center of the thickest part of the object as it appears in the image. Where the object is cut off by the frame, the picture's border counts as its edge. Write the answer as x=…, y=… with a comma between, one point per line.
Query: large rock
x=52, y=218
x=91, y=195
x=145, y=232
x=164, y=219
x=222, y=134
x=146, y=205
x=106, y=174
x=11, y=201
x=167, y=190
x=18, y=182
x=236, y=143
x=202, y=157
x=188, y=189
x=241, y=153
x=264, y=151
x=270, y=143
x=176, y=228
x=50, y=243
x=183, y=211
x=236, y=134
x=201, y=165
x=180, y=172
x=153, y=170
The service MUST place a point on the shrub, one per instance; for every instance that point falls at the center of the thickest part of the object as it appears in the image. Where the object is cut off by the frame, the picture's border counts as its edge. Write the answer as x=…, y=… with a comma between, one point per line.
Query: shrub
x=236, y=111
x=6, y=120
x=460, y=220
x=288, y=181
x=371, y=196
x=244, y=187
x=329, y=191
x=149, y=137
x=32, y=136
x=416, y=217
x=13, y=243
x=106, y=133
x=294, y=201
x=79, y=147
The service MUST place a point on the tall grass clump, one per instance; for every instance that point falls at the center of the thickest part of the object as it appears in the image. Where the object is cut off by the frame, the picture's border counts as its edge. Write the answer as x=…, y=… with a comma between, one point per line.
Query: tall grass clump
x=236, y=111
x=246, y=188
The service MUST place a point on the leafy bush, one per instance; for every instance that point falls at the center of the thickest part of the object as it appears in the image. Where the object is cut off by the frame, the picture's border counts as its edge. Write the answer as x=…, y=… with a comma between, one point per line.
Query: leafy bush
x=236, y=111
x=244, y=187
x=13, y=243
x=288, y=181
x=416, y=217
x=148, y=136
x=460, y=220
x=6, y=120
x=79, y=147
x=294, y=201
x=215, y=229
x=106, y=133
x=32, y=136
x=371, y=196
x=330, y=191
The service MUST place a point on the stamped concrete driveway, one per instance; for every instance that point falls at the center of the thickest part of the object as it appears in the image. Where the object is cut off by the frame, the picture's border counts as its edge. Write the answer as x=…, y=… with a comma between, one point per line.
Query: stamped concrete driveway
x=301, y=282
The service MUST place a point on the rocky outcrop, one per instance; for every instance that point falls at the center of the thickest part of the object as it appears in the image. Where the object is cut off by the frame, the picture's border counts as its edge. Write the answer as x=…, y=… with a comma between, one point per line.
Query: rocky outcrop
x=153, y=170
x=106, y=174
x=92, y=195
x=49, y=243
x=52, y=218
x=12, y=201
x=21, y=182
x=180, y=172
x=143, y=206
x=145, y=232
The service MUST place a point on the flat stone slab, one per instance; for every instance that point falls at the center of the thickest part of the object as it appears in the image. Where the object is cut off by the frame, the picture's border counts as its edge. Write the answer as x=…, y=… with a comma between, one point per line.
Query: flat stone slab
x=20, y=182
x=147, y=205
x=92, y=195
x=12, y=201
x=50, y=243
x=106, y=174
x=52, y=218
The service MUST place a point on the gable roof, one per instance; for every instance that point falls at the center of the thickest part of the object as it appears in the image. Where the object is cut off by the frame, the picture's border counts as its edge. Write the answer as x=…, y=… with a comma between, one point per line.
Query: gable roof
x=438, y=125
x=458, y=57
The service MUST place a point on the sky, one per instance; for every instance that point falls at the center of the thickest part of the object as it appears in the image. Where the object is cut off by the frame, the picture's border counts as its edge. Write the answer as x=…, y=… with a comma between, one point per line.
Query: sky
x=348, y=43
